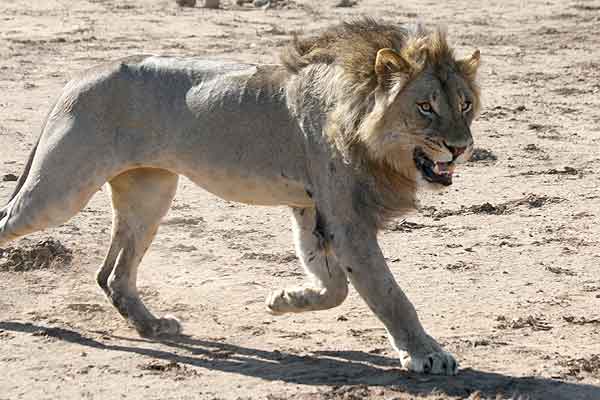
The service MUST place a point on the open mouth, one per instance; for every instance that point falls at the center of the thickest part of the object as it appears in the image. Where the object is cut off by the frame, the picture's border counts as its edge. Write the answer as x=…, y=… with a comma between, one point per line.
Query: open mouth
x=434, y=171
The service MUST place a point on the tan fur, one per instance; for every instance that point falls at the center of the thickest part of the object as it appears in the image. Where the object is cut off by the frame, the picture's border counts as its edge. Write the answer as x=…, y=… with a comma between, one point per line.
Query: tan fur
x=333, y=135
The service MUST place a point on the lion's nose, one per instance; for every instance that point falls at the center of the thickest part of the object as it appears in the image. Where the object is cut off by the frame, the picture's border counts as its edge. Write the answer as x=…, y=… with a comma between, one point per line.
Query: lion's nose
x=455, y=150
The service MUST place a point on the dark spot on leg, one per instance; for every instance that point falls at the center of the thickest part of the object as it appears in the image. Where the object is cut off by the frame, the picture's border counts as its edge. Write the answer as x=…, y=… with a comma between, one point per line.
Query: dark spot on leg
x=320, y=224
x=311, y=258
x=320, y=231
x=327, y=265
x=349, y=270
x=428, y=365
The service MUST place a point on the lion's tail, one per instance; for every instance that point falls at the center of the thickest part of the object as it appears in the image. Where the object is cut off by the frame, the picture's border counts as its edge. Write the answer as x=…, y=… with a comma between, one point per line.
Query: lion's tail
x=20, y=182
x=24, y=174
x=4, y=211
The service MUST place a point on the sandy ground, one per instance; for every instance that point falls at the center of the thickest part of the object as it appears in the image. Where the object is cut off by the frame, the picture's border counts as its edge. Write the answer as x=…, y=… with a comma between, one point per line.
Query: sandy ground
x=503, y=267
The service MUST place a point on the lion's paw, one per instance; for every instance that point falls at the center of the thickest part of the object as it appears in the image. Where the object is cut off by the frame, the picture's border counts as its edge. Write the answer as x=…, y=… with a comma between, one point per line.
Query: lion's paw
x=166, y=326
x=278, y=302
x=292, y=300
x=274, y=301
x=169, y=325
x=436, y=363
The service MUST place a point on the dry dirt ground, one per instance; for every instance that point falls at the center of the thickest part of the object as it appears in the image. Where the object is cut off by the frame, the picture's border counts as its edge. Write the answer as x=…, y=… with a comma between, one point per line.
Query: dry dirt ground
x=503, y=267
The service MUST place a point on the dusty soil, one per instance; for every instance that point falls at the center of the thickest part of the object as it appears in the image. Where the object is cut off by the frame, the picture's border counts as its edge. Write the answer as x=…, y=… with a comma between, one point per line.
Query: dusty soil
x=503, y=267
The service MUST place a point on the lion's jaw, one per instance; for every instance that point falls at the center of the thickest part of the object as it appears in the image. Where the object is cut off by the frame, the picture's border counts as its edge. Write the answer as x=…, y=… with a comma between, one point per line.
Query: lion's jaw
x=434, y=173
x=427, y=164
x=429, y=167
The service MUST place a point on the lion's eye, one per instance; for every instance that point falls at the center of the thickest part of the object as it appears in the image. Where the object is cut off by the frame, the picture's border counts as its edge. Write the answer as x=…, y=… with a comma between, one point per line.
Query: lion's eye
x=425, y=108
x=465, y=107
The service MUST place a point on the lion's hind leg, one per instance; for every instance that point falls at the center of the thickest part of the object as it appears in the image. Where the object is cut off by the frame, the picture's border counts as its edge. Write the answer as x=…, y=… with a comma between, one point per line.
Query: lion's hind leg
x=140, y=199
x=327, y=286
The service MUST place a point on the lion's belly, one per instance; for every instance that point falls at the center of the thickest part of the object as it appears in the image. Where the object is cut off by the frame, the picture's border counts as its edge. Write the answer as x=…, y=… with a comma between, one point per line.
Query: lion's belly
x=251, y=189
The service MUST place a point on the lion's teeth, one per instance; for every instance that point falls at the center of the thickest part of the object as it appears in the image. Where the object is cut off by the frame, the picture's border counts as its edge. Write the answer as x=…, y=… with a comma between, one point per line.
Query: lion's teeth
x=441, y=168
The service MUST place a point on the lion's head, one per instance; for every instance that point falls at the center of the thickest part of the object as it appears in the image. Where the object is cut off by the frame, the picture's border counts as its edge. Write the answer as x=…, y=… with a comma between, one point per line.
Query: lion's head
x=397, y=95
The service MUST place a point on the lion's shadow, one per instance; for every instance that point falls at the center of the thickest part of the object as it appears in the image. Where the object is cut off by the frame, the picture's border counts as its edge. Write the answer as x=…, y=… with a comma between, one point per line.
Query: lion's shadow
x=323, y=368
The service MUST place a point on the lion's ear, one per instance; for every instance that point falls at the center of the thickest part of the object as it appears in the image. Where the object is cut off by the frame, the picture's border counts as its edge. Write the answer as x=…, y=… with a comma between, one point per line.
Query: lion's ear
x=388, y=62
x=469, y=66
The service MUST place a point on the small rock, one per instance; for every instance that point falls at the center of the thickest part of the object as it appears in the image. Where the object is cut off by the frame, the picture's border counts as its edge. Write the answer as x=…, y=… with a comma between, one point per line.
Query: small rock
x=346, y=3
x=480, y=154
x=211, y=4
x=261, y=3
x=10, y=178
x=186, y=3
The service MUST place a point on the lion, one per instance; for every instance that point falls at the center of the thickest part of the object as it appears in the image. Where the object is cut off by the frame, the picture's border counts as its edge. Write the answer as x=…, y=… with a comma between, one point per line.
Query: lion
x=345, y=132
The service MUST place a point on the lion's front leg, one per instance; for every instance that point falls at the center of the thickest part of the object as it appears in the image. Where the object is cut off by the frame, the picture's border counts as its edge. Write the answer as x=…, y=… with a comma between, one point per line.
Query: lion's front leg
x=360, y=256
x=327, y=284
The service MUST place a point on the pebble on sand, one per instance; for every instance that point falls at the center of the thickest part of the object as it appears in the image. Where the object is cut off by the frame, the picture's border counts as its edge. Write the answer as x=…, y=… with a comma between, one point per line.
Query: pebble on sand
x=10, y=178
x=211, y=3
x=186, y=3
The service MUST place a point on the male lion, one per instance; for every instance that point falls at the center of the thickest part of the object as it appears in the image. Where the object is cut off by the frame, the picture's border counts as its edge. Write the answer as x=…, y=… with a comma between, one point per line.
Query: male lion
x=344, y=133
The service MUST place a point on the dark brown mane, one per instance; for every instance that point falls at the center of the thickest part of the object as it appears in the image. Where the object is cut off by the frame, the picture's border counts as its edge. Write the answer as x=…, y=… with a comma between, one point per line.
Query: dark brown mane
x=354, y=45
